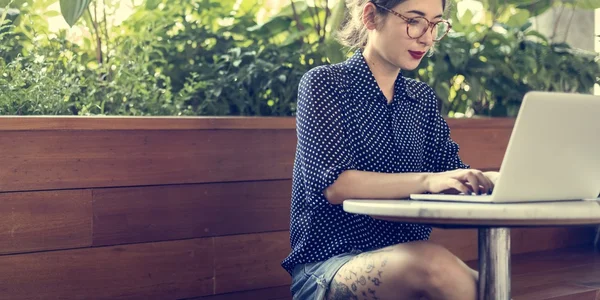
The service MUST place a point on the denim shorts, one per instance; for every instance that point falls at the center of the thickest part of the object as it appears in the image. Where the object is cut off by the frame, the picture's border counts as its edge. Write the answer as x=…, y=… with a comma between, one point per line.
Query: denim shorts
x=311, y=281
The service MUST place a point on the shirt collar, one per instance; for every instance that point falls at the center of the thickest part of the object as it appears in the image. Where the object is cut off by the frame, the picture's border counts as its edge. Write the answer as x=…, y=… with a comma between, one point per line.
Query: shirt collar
x=362, y=77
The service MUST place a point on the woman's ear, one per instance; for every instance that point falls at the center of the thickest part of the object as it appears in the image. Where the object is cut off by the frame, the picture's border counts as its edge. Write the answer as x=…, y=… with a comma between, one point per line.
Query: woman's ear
x=368, y=16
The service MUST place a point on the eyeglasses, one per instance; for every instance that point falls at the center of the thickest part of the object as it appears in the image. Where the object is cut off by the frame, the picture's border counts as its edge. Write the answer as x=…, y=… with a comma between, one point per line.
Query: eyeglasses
x=418, y=26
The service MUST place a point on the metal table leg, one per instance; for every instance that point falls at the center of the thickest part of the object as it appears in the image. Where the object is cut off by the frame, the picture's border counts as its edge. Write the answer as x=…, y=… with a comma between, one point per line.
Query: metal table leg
x=494, y=264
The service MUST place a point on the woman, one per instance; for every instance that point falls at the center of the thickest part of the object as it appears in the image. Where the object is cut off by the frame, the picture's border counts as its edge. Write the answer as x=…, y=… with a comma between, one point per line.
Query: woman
x=365, y=131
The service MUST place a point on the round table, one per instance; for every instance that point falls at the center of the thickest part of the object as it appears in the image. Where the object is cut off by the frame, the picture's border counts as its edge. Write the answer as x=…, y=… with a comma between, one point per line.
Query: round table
x=493, y=221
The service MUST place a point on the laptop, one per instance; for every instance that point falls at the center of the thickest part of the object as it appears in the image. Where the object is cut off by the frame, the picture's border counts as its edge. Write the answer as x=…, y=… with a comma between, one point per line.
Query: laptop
x=553, y=153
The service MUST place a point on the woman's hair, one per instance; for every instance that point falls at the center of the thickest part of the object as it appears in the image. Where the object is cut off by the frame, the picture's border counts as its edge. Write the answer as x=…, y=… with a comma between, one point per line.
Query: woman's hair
x=353, y=34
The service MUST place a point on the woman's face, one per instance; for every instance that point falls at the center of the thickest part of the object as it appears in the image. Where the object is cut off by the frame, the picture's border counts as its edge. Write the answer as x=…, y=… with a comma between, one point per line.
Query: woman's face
x=391, y=40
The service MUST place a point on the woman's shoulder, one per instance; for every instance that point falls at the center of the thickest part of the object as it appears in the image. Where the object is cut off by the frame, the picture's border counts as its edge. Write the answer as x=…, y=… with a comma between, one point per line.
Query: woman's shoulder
x=323, y=74
x=421, y=92
x=320, y=87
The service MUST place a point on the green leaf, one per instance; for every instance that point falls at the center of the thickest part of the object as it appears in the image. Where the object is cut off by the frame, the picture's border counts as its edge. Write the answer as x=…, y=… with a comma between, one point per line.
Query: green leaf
x=479, y=67
x=467, y=18
x=458, y=58
x=538, y=35
x=334, y=51
x=519, y=19
x=152, y=4
x=51, y=14
x=521, y=2
x=475, y=92
x=272, y=27
x=337, y=16
x=296, y=36
x=288, y=11
x=501, y=38
x=537, y=8
x=587, y=4
x=442, y=90
x=529, y=63
x=2, y=17
x=248, y=6
x=8, y=13
x=13, y=3
x=526, y=26
x=72, y=10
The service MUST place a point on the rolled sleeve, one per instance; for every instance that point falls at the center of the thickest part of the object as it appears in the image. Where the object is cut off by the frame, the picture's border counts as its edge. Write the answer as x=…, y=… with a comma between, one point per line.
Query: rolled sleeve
x=323, y=152
x=445, y=153
x=447, y=150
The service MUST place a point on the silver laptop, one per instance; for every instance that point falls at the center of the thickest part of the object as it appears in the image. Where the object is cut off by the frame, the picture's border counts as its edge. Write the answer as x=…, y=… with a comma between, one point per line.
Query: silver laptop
x=553, y=153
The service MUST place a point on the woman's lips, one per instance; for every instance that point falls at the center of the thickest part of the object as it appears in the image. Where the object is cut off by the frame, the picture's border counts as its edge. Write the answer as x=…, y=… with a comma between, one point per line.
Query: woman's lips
x=416, y=54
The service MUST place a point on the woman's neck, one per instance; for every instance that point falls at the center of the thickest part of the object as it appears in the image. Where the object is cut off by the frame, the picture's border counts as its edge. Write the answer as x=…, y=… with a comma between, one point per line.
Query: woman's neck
x=385, y=74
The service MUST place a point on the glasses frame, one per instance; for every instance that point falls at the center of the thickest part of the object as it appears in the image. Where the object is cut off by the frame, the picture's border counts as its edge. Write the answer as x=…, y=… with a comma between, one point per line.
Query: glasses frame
x=430, y=24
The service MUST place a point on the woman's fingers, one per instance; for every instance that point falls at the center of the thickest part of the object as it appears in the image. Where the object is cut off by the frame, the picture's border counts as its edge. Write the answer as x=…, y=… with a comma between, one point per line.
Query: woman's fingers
x=467, y=181
x=459, y=186
x=492, y=176
x=485, y=182
x=478, y=182
x=473, y=181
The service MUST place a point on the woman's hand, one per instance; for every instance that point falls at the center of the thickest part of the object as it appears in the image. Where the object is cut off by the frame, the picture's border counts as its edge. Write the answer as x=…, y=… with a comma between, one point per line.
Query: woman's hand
x=465, y=181
x=493, y=176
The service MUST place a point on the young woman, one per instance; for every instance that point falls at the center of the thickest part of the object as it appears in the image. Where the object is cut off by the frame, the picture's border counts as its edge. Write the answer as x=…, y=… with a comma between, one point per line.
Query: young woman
x=365, y=131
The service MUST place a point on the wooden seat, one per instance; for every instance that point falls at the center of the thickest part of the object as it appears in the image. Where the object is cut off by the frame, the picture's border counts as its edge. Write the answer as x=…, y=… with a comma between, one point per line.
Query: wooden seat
x=198, y=208
x=571, y=273
x=559, y=274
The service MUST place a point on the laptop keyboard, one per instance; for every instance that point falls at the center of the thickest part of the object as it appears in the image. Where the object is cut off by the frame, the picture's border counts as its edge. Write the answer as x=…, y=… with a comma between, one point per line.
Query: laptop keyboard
x=473, y=194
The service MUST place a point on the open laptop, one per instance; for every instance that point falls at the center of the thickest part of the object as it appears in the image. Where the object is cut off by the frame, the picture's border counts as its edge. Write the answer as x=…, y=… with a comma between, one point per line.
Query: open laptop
x=553, y=153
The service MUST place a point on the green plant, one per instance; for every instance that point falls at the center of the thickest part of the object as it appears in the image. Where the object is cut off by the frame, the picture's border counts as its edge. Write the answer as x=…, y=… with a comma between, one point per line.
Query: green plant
x=209, y=57
x=72, y=10
x=486, y=67
x=59, y=78
x=228, y=66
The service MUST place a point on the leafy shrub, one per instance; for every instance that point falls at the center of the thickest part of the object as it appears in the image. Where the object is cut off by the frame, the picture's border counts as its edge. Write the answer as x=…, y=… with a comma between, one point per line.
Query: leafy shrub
x=209, y=57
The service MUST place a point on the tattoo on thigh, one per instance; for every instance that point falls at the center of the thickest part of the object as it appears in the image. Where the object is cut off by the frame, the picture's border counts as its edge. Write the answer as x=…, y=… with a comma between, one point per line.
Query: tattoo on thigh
x=340, y=291
x=376, y=280
x=370, y=267
x=360, y=278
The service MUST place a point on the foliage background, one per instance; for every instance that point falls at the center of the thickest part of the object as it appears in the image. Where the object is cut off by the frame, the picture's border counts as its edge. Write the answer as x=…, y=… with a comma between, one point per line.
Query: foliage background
x=211, y=57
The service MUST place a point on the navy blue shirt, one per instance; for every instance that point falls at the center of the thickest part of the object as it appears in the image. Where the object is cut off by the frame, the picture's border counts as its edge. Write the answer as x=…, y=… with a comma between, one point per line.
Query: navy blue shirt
x=344, y=122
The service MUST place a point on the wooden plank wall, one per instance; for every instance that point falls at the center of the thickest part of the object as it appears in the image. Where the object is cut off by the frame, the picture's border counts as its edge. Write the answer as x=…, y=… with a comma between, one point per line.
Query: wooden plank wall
x=174, y=208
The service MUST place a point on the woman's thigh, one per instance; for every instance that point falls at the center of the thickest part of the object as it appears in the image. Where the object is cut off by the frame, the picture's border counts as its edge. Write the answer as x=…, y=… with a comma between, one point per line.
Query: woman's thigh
x=416, y=270
x=311, y=281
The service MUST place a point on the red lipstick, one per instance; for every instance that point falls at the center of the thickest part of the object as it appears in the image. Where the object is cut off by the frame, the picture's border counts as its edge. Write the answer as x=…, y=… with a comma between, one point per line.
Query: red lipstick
x=416, y=54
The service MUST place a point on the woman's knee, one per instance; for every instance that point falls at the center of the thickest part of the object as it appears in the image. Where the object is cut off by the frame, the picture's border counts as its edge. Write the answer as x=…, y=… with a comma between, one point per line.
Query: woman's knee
x=406, y=271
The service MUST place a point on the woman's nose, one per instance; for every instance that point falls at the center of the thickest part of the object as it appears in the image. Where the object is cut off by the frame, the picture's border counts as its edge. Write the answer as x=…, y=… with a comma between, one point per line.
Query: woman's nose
x=427, y=38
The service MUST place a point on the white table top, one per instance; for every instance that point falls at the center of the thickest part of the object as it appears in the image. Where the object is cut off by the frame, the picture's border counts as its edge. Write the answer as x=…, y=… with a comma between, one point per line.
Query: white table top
x=480, y=214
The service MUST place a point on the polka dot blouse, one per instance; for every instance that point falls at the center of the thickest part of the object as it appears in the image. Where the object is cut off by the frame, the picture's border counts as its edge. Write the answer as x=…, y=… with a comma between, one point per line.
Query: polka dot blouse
x=345, y=123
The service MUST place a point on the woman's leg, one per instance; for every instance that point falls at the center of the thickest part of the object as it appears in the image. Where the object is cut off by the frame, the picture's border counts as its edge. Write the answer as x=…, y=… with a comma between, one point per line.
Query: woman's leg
x=416, y=270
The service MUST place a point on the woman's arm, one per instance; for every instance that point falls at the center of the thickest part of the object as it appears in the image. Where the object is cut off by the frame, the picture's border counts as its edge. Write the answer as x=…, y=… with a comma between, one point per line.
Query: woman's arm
x=353, y=184
x=361, y=184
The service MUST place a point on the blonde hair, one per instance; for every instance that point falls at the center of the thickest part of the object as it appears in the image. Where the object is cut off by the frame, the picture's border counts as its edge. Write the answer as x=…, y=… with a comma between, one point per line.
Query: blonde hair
x=353, y=33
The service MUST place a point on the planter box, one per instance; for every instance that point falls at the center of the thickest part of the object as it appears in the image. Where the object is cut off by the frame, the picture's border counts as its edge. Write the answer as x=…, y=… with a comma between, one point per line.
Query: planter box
x=174, y=208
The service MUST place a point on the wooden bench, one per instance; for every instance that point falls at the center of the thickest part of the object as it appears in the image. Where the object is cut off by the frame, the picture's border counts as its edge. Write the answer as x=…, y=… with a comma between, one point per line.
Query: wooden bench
x=198, y=208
